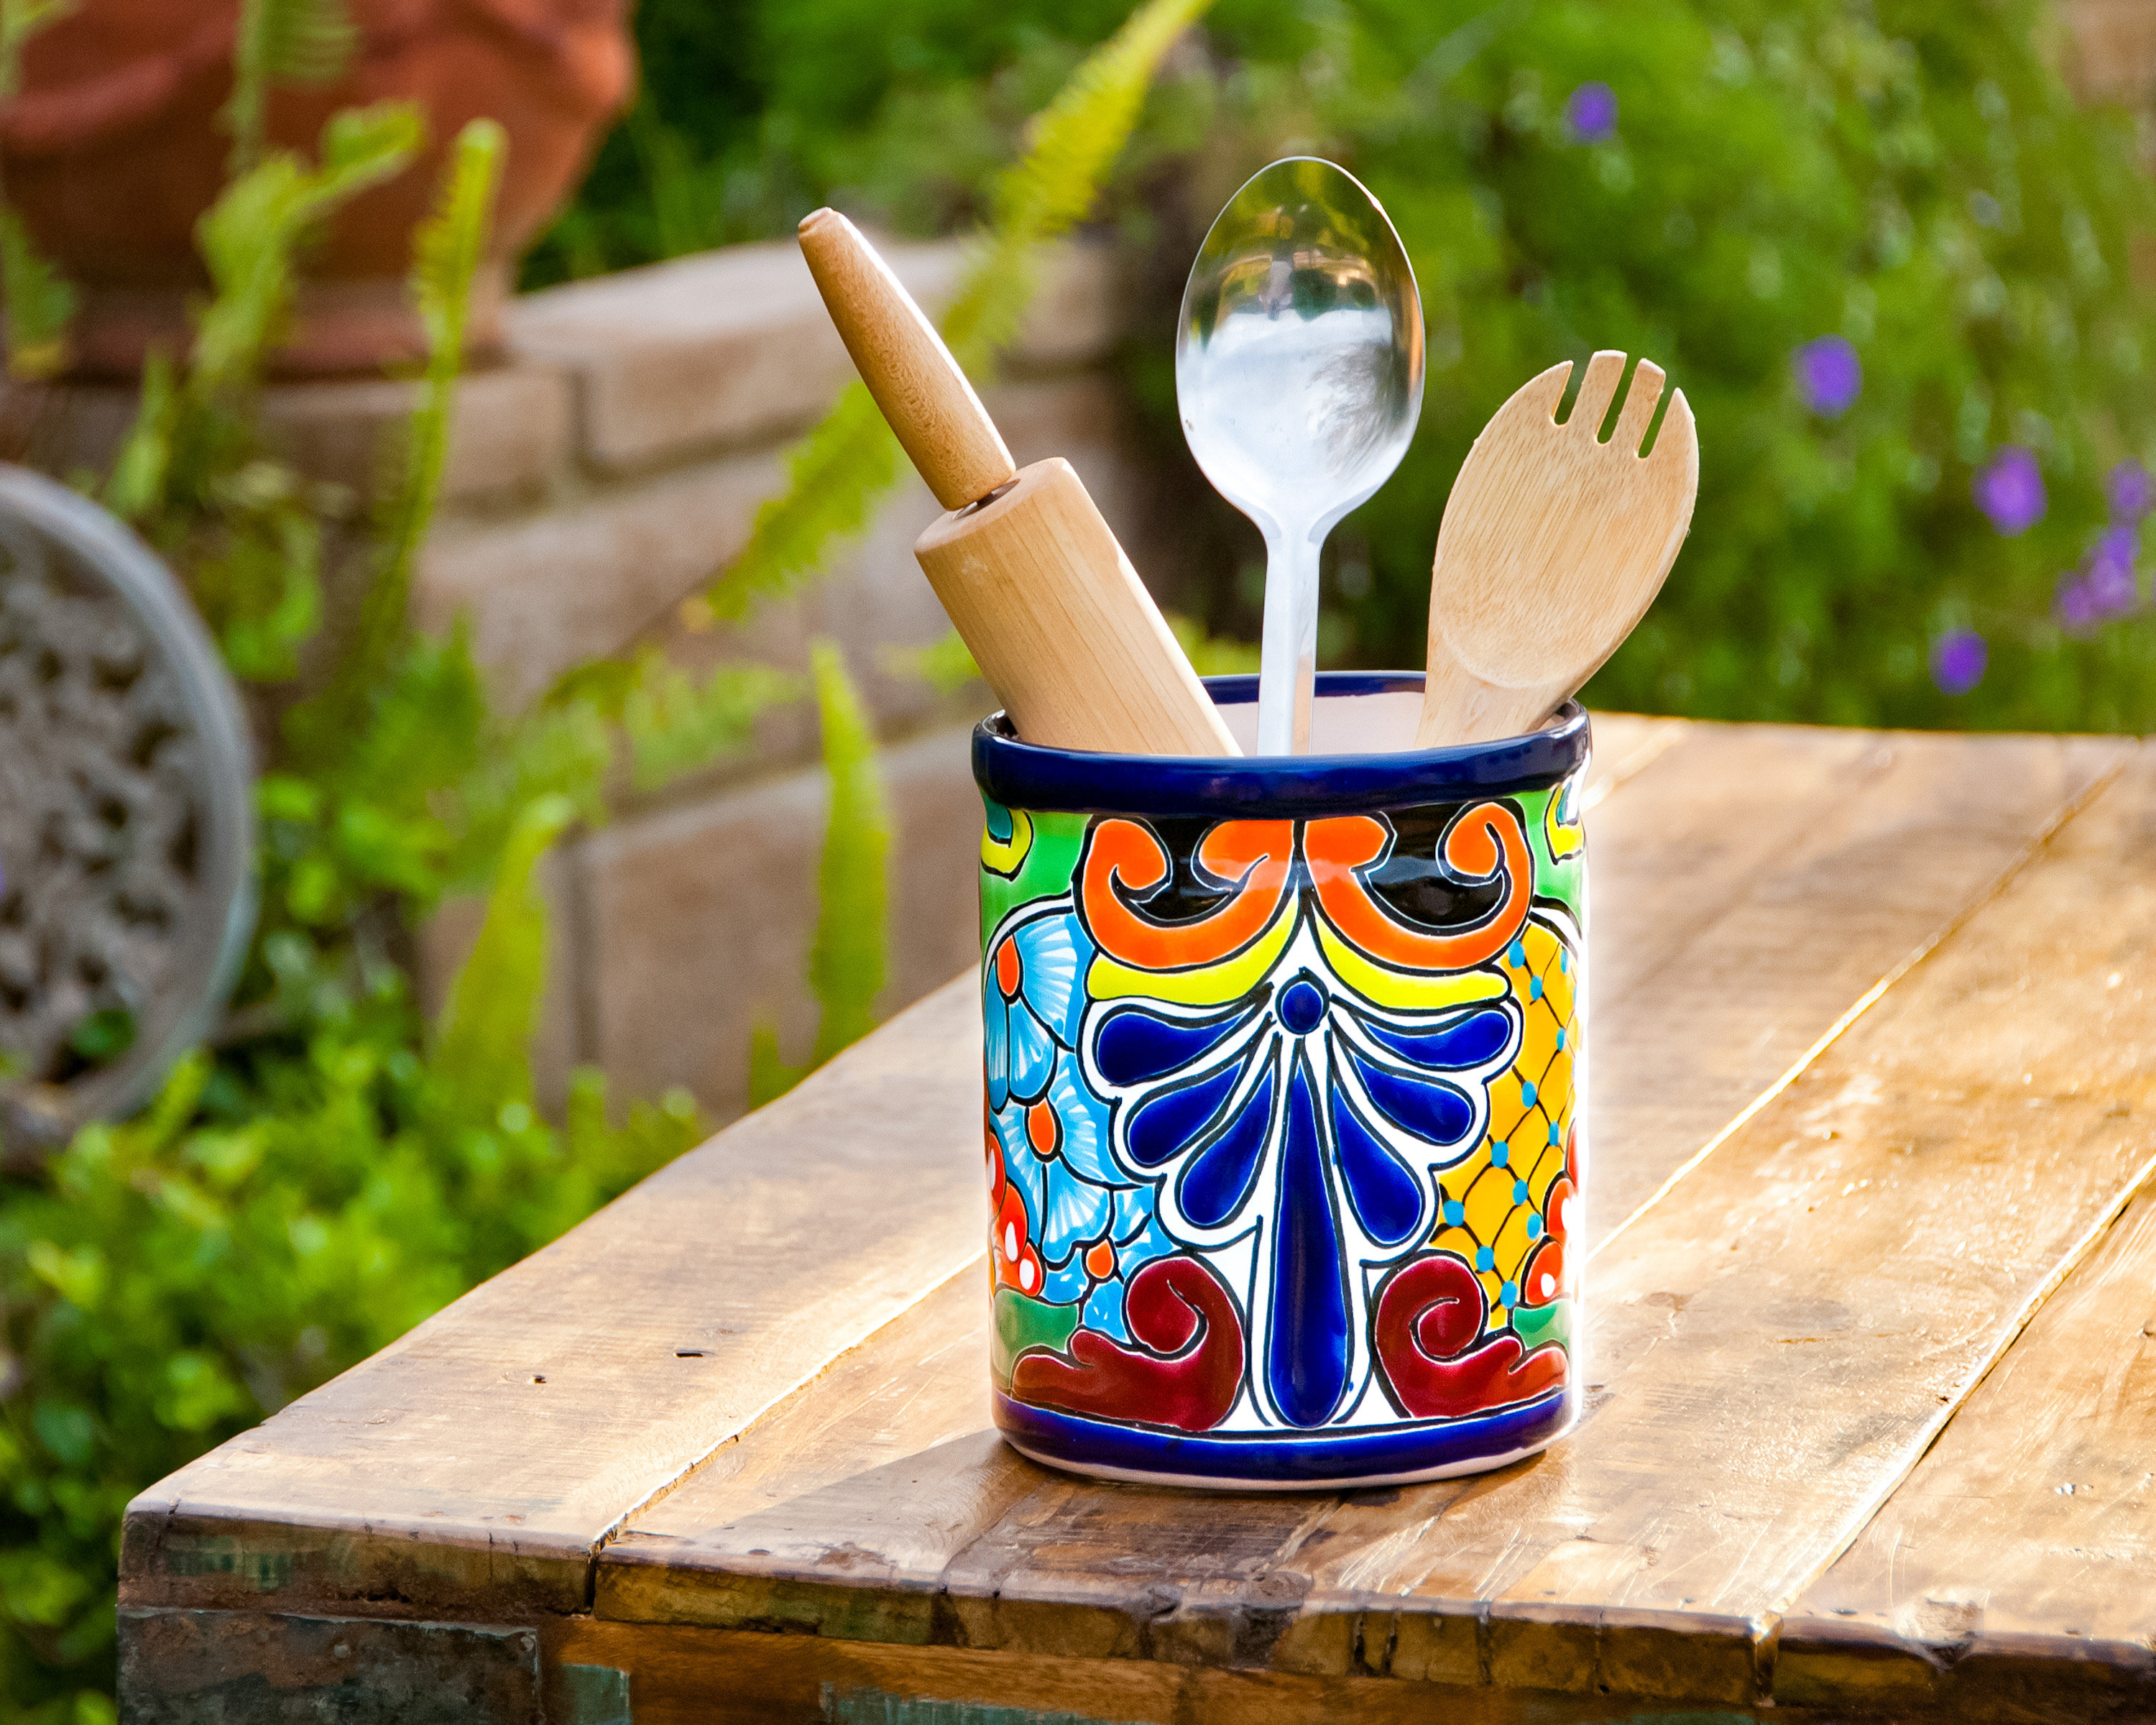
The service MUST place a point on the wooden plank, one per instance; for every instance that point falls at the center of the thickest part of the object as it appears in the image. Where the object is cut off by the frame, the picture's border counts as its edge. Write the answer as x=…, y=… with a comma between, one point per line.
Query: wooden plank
x=260, y=1668
x=683, y=1676
x=1563, y=1574
x=2007, y=1574
x=486, y=1455
x=1775, y=1344
x=1786, y=871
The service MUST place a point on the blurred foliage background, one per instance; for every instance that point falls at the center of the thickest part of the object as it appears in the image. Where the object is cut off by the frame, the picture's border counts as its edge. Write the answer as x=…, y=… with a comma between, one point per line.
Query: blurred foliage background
x=1721, y=184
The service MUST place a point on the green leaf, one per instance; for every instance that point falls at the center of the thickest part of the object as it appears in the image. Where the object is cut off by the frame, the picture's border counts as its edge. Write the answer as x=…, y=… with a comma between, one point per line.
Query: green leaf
x=769, y=1076
x=1212, y=655
x=248, y=237
x=946, y=666
x=848, y=962
x=280, y=42
x=482, y=1052
x=136, y=485
x=447, y=252
x=676, y=725
x=40, y=304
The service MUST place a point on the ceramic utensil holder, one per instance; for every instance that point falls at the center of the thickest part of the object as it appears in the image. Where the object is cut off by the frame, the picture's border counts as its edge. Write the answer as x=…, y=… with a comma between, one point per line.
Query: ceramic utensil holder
x=1284, y=1081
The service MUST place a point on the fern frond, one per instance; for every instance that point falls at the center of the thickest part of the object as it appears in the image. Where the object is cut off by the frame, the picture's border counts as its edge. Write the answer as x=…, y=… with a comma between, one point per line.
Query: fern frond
x=1070, y=145
x=136, y=485
x=834, y=476
x=676, y=725
x=280, y=42
x=248, y=237
x=839, y=471
x=447, y=251
x=848, y=962
x=483, y=1048
x=40, y=304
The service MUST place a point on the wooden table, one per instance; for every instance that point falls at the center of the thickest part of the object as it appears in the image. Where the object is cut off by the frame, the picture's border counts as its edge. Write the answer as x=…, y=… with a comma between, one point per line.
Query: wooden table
x=1871, y=1388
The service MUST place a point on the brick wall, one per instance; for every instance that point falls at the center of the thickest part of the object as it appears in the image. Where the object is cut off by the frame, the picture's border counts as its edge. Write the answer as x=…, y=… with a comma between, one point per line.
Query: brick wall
x=597, y=479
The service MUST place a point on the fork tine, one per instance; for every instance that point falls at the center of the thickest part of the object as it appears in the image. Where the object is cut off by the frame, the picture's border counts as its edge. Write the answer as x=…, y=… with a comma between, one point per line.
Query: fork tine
x=1678, y=439
x=1603, y=373
x=1639, y=408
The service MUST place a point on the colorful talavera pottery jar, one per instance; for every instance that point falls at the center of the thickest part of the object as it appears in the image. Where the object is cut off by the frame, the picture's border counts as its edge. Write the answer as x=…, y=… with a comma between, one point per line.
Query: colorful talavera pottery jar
x=1284, y=1078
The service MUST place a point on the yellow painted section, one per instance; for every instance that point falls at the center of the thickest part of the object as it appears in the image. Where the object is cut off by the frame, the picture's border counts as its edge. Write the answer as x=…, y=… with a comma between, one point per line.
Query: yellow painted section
x=1211, y=985
x=1006, y=855
x=1402, y=990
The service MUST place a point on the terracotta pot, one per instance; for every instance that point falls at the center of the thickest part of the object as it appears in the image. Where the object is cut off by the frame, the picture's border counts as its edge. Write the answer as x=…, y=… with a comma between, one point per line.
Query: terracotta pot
x=112, y=151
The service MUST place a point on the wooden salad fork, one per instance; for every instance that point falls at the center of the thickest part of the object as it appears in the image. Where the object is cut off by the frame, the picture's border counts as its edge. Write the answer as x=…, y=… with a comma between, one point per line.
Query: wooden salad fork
x=1552, y=546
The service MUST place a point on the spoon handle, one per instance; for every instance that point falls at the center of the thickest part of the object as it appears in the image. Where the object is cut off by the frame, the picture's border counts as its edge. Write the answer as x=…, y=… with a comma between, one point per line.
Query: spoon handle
x=1287, y=660
x=909, y=370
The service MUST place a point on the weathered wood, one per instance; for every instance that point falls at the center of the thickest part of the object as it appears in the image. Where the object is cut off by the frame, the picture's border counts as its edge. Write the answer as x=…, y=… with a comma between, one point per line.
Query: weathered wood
x=683, y=1676
x=1758, y=1383
x=1774, y=1343
x=484, y=1457
x=2006, y=1571
x=261, y=1668
x=1754, y=883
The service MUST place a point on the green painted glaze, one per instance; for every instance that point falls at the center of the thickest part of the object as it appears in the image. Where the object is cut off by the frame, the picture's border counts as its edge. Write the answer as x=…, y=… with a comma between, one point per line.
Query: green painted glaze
x=1022, y=1323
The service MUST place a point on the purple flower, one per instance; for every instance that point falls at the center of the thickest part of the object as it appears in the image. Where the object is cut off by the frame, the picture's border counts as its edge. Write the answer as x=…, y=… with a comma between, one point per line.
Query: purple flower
x=2129, y=492
x=1830, y=376
x=2110, y=582
x=1591, y=112
x=1958, y=661
x=2074, y=607
x=2010, y=490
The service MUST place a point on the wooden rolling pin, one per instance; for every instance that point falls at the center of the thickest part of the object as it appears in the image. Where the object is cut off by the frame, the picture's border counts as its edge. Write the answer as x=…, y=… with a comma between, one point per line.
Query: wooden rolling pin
x=1057, y=619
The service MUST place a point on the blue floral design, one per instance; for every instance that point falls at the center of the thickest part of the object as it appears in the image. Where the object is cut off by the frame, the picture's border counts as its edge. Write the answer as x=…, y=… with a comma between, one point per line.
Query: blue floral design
x=1310, y=1121
x=1054, y=1130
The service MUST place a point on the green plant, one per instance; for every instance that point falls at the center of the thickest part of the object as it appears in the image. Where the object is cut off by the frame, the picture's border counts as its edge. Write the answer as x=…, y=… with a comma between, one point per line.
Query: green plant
x=1912, y=179
x=191, y=474
x=331, y=1171
x=280, y=42
x=849, y=956
x=326, y=1176
x=40, y=304
x=1720, y=184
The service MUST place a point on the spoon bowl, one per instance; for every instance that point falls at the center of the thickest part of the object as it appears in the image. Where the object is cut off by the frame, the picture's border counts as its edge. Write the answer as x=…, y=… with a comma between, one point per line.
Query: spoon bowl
x=1298, y=376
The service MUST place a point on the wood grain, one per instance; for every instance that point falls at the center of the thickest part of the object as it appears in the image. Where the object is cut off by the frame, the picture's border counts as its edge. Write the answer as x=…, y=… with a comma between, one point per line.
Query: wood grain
x=260, y=1668
x=1062, y=627
x=1552, y=547
x=924, y=394
x=1773, y=1345
x=683, y=1676
x=2019, y=1555
x=477, y=1463
x=1057, y=619
x=1785, y=873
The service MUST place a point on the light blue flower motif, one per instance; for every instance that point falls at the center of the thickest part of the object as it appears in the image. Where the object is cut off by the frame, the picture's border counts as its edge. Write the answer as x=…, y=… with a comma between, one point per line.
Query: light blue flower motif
x=1138, y=1238
x=1032, y=999
x=1053, y=1130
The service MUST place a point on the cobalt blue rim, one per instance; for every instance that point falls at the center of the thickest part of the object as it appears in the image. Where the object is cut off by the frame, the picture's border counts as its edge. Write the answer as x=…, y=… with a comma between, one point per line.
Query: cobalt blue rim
x=1023, y=775
x=1301, y=1458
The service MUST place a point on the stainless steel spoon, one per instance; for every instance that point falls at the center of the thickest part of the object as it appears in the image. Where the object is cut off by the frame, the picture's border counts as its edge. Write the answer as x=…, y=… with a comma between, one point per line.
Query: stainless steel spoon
x=1298, y=373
